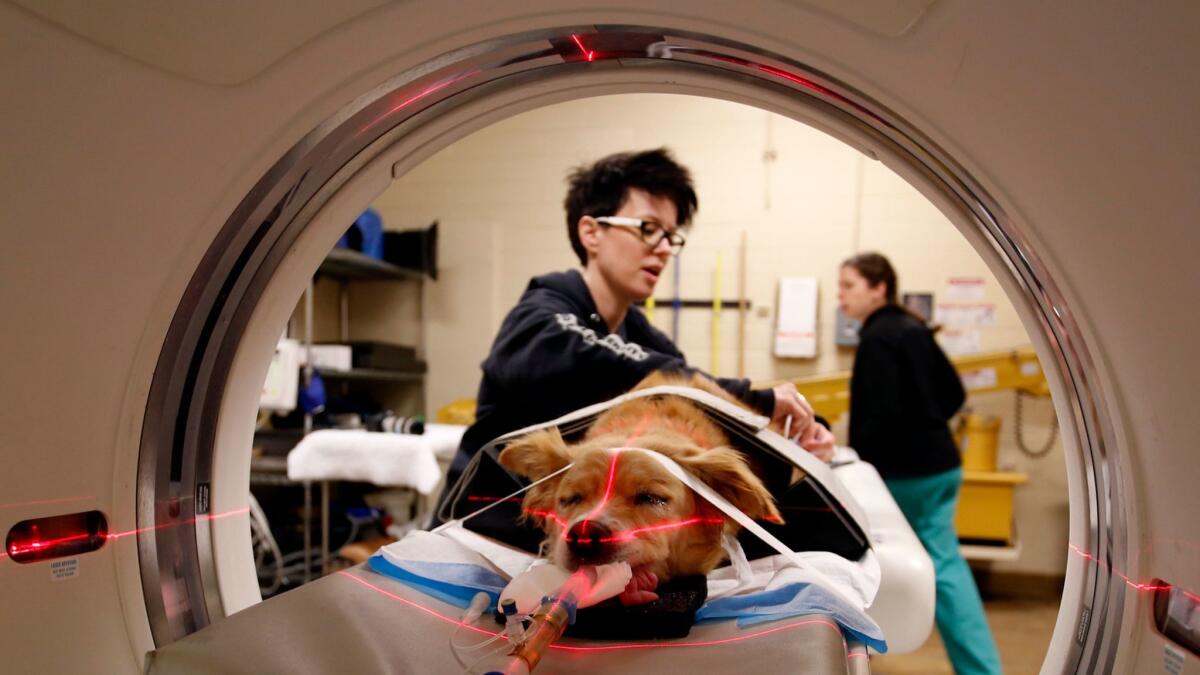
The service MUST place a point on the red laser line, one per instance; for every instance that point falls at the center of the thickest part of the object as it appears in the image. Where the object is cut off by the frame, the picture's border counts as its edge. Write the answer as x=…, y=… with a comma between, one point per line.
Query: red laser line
x=608, y=489
x=189, y=521
x=637, y=431
x=45, y=501
x=610, y=486
x=410, y=603
x=551, y=515
x=41, y=544
x=588, y=55
x=627, y=535
x=612, y=479
x=417, y=97
x=802, y=81
x=1135, y=585
x=16, y=549
x=604, y=648
x=612, y=471
x=780, y=73
x=786, y=75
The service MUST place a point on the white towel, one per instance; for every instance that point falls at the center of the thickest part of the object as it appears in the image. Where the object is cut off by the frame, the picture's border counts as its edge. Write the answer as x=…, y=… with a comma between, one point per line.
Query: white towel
x=444, y=439
x=855, y=581
x=386, y=459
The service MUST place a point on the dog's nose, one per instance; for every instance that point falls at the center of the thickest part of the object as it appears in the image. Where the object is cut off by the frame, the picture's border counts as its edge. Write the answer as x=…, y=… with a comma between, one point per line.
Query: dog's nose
x=589, y=540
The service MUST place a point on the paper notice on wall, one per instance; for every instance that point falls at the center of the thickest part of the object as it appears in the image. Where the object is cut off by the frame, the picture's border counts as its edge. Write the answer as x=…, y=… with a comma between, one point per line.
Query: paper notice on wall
x=964, y=289
x=958, y=341
x=971, y=315
x=796, y=325
x=983, y=378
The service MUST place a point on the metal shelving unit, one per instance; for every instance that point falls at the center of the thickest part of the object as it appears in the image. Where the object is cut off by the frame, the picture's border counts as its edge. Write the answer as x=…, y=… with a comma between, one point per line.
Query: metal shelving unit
x=372, y=375
x=344, y=266
x=350, y=265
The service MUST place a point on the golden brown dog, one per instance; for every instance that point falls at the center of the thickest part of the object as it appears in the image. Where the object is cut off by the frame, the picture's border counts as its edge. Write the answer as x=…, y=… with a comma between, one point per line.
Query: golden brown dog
x=614, y=504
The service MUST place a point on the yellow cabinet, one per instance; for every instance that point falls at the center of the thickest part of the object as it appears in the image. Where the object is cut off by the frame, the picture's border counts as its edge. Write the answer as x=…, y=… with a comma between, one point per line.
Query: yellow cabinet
x=985, y=505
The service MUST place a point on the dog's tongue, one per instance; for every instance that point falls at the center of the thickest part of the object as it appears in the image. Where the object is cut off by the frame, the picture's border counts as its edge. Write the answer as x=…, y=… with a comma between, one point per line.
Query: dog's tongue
x=640, y=589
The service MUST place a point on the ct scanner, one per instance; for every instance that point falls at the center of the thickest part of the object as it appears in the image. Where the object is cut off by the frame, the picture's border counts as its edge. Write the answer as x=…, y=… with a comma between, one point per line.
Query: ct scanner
x=171, y=177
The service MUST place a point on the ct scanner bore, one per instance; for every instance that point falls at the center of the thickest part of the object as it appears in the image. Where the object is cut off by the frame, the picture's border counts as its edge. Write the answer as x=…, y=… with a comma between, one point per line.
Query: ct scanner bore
x=221, y=324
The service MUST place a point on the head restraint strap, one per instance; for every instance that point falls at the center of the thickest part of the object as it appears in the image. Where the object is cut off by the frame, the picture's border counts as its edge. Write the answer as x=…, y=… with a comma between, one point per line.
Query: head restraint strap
x=701, y=488
x=459, y=521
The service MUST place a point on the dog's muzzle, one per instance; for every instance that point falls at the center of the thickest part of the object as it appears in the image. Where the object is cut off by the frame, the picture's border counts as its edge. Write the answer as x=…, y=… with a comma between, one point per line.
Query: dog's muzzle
x=590, y=542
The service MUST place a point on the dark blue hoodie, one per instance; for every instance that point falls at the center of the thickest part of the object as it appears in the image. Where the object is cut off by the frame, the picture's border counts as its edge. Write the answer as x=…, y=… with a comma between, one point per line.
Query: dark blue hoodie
x=554, y=354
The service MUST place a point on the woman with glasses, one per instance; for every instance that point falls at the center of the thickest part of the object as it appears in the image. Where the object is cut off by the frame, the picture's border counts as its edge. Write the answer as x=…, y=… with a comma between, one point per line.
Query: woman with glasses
x=575, y=338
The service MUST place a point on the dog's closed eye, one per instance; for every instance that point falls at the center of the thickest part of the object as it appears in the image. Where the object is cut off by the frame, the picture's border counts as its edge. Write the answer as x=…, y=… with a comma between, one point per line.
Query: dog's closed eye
x=570, y=500
x=651, y=499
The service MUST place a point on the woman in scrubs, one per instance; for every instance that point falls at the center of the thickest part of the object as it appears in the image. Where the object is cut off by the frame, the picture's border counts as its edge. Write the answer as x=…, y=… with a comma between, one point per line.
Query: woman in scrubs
x=903, y=391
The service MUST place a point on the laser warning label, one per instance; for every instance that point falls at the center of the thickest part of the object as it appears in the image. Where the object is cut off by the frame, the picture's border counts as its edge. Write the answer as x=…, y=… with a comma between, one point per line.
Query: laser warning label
x=1173, y=659
x=64, y=569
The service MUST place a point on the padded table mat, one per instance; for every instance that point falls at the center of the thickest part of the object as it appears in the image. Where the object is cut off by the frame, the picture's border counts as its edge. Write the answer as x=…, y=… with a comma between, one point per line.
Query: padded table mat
x=357, y=621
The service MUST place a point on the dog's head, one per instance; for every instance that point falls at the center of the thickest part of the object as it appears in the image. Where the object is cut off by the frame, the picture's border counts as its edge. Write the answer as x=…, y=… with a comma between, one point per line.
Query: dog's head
x=623, y=505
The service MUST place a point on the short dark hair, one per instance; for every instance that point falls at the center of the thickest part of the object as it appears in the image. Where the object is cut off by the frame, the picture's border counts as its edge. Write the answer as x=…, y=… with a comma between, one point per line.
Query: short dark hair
x=600, y=189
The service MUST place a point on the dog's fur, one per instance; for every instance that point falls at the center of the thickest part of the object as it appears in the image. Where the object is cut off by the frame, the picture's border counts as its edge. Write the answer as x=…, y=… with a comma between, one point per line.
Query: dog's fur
x=643, y=493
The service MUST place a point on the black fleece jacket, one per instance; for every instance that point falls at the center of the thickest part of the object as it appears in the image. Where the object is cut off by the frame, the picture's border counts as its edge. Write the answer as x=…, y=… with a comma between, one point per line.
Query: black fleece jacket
x=554, y=354
x=902, y=392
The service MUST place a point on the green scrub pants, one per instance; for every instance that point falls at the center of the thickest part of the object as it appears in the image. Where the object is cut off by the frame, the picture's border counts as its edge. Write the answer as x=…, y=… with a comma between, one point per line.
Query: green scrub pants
x=928, y=503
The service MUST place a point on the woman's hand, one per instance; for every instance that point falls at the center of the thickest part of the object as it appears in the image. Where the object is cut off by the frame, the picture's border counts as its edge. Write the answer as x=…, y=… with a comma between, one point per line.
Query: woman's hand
x=819, y=441
x=804, y=429
x=791, y=403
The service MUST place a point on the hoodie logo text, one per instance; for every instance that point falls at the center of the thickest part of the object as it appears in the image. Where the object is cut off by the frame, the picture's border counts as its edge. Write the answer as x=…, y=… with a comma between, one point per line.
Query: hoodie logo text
x=611, y=342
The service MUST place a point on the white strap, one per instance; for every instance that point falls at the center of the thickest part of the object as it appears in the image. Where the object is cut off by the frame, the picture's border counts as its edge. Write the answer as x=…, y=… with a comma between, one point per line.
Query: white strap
x=458, y=521
x=701, y=488
x=737, y=558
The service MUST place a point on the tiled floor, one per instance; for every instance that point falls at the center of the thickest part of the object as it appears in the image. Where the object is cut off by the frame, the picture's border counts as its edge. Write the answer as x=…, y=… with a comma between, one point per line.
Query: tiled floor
x=1022, y=630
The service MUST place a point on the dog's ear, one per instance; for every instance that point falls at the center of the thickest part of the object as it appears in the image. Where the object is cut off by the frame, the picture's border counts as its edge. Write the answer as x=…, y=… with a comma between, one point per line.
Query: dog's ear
x=537, y=455
x=726, y=472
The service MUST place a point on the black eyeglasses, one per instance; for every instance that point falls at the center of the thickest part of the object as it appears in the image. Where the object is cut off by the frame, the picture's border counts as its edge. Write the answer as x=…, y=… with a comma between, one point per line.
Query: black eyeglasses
x=651, y=232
